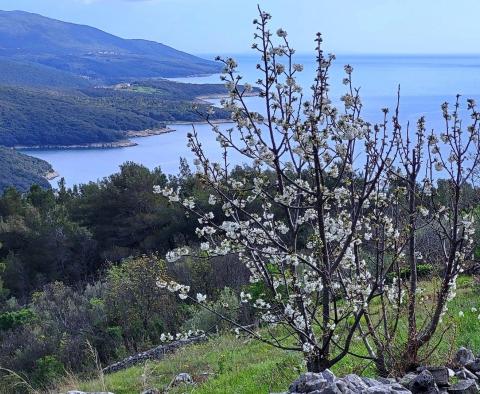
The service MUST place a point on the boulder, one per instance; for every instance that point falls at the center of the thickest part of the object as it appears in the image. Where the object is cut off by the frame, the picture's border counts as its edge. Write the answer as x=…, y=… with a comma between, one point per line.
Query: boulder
x=424, y=382
x=90, y=392
x=407, y=379
x=326, y=383
x=387, y=389
x=464, y=373
x=441, y=375
x=355, y=383
x=183, y=377
x=464, y=387
x=473, y=366
x=308, y=382
x=464, y=356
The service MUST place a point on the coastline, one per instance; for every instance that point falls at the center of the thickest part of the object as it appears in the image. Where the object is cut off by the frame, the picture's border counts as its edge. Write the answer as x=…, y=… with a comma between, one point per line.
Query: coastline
x=126, y=143
x=51, y=175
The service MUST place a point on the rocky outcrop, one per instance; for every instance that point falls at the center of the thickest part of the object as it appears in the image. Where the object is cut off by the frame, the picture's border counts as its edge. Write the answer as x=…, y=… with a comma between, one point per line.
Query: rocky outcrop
x=154, y=354
x=425, y=380
x=326, y=383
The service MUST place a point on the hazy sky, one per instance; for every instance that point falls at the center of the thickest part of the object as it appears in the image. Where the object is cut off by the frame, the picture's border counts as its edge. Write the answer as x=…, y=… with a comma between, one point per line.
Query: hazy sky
x=223, y=26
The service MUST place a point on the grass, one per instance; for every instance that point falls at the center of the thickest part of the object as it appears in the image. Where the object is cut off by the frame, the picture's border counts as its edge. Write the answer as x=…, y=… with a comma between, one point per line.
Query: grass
x=227, y=364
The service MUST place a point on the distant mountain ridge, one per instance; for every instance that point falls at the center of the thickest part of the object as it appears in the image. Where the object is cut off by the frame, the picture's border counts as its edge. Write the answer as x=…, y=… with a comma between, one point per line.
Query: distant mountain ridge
x=90, y=52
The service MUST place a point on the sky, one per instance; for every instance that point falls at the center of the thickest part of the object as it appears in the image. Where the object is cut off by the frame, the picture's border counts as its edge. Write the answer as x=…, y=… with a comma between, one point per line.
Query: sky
x=223, y=26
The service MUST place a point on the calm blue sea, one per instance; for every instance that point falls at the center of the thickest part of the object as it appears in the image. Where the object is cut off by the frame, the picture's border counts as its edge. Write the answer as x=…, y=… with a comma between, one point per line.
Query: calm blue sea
x=426, y=82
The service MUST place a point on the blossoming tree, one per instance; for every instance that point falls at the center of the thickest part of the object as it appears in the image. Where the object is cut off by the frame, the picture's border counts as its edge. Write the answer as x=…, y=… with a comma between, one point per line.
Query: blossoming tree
x=447, y=221
x=314, y=210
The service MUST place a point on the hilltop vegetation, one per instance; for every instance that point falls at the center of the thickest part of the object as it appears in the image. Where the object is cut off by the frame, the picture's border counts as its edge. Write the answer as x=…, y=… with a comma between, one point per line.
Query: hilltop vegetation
x=56, y=83
x=86, y=51
x=31, y=116
x=36, y=75
x=22, y=171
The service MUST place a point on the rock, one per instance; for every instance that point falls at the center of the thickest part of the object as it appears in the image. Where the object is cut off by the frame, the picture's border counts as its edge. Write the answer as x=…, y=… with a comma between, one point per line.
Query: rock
x=464, y=356
x=387, y=389
x=182, y=378
x=424, y=382
x=451, y=373
x=151, y=391
x=326, y=383
x=355, y=383
x=387, y=380
x=370, y=382
x=469, y=375
x=440, y=375
x=328, y=376
x=84, y=392
x=473, y=366
x=307, y=381
x=407, y=380
x=464, y=387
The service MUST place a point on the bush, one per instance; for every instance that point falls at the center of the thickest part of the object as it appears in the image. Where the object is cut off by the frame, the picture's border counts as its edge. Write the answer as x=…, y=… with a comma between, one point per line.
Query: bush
x=227, y=305
x=47, y=371
x=13, y=319
x=136, y=305
x=423, y=270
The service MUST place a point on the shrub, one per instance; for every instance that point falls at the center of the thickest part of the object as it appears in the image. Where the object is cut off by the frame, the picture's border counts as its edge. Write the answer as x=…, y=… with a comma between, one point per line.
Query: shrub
x=226, y=305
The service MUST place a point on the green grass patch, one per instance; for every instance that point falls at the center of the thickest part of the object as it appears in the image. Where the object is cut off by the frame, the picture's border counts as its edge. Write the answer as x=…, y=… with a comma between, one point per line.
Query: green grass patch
x=227, y=364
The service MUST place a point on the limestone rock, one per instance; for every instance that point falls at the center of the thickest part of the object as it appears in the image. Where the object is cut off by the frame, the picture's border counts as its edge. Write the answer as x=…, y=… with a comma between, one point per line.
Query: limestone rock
x=308, y=382
x=424, y=382
x=151, y=391
x=473, y=366
x=464, y=356
x=326, y=383
x=441, y=375
x=464, y=387
x=84, y=392
x=183, y=377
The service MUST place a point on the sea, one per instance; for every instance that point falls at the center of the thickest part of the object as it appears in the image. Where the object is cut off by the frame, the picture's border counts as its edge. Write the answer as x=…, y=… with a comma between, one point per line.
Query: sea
x=425, y=83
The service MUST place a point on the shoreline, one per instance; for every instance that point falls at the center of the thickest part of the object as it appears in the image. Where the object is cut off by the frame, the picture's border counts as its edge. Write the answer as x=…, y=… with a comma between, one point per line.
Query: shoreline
x=51, y=175
x=125, y=143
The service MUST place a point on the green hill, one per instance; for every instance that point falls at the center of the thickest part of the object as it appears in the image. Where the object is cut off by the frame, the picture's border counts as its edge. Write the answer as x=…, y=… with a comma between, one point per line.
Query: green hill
x=90, y=52
x=31, y=116
x=22, y=171
x=16, y=73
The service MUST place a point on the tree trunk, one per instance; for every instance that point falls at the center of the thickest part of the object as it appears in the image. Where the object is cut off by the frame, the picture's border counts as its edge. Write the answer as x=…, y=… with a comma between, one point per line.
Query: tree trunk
x=316, y=363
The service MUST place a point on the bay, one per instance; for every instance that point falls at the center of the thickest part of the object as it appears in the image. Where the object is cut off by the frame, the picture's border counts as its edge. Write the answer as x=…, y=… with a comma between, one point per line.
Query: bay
x=426, y=82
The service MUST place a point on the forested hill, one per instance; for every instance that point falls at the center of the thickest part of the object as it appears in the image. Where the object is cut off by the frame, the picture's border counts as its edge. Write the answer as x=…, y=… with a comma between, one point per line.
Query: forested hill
x=22, y=171
x=90, y=52
x=32, y=116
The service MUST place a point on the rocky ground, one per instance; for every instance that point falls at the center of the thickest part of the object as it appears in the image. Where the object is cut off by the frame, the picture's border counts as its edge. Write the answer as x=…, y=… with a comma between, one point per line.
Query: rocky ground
x=461, y=377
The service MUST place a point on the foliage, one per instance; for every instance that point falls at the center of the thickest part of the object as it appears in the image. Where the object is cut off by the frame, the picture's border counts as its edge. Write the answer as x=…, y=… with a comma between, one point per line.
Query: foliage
x=347, y=205
x=13, y=319
x=21, y=171
x=40, y=242
x=243, y=366
x=136, y=305
x=47, y=371
x=91, y=53
x=31, y=117
x=227, y=305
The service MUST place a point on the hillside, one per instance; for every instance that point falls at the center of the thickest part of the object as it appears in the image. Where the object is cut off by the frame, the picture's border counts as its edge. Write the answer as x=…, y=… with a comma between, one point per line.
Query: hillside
x=15, y=73
x=90, y=52
x=31, y=116
x=22, y=171
x=226, y=364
